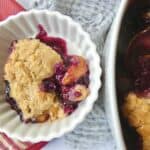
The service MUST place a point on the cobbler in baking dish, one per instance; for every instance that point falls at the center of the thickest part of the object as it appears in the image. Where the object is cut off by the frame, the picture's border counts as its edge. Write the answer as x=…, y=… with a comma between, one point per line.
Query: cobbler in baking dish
x=133, y=75
x=42, y=81
x=136, y=107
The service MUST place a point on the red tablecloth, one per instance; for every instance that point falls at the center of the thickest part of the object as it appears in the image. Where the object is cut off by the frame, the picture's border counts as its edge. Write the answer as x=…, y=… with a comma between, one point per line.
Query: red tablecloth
x=7, y=8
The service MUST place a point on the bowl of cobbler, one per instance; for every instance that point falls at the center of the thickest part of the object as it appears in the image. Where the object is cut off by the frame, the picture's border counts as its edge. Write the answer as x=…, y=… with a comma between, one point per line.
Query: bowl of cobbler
x=50, y=75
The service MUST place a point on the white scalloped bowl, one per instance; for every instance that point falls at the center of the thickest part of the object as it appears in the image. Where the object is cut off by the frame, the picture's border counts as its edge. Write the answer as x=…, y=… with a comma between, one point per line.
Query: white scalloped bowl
x=24, y=25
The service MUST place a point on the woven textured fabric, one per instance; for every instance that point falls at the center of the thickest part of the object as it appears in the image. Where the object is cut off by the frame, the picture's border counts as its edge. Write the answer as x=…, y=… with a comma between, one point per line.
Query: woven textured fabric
x=95, y=16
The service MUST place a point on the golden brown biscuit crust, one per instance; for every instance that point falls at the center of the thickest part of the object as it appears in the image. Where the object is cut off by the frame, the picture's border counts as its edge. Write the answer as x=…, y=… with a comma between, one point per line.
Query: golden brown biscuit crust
x=30, y=62
x=137, y=112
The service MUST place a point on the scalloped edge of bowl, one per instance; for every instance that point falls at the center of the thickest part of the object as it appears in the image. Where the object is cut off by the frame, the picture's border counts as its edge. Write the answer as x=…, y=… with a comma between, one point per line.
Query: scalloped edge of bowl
x=94, y=94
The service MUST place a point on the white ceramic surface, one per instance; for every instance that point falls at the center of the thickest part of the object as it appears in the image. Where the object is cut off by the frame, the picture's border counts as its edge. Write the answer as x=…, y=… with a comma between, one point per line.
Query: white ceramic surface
x=110, y=50
x=24, y=25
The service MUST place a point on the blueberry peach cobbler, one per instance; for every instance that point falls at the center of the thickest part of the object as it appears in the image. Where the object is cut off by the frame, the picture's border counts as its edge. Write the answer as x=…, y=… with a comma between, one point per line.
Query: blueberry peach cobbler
x=135, y=83
x=42, y=81
x=136, y=107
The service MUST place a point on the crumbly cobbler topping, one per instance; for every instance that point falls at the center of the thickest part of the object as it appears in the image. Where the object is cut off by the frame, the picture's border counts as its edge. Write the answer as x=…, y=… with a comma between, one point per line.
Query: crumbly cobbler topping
x=30, y=62
x=137, y=112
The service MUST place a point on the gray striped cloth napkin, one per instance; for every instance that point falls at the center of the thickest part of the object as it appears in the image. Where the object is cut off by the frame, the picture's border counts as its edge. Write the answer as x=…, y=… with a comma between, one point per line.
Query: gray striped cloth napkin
x=95, y=16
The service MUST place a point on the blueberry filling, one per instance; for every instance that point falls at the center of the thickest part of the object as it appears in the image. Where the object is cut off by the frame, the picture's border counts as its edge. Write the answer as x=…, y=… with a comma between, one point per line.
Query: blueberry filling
x=84, y=80
x=69, y=108
x=60, y=70
x=12, y=45
x=58, y=44
x=48, y=85
x=142, y=76
x=11, y=101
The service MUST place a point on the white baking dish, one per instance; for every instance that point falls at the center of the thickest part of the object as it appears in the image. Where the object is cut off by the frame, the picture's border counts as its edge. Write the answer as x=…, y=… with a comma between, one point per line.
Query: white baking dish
x=109, y=59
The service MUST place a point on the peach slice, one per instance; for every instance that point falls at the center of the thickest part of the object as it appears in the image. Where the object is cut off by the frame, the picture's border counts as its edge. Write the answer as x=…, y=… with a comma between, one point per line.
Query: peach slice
x=76, y=93
x=77, y=69
x=42, y=118
x=80, y=92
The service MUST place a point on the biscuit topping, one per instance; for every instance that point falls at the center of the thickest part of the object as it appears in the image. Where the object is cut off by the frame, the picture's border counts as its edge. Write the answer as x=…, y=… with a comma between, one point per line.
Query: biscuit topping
x=30, y=62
